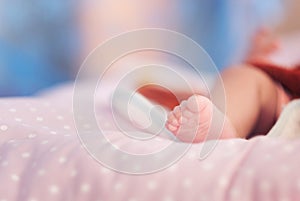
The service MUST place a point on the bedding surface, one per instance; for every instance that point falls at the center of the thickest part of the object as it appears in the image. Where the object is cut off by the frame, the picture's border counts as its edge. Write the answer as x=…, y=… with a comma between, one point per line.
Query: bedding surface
x=42, y=158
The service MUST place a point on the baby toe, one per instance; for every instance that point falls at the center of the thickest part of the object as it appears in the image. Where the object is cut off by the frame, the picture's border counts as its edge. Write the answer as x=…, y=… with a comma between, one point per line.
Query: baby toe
x=171, y=127
x=172, y=119
x=187, y=134
x=183, y=104
x=197, y=103
x=177, y=112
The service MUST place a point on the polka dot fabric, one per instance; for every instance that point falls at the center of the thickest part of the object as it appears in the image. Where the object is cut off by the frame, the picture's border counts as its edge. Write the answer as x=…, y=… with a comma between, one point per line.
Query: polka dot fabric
x=41, y=159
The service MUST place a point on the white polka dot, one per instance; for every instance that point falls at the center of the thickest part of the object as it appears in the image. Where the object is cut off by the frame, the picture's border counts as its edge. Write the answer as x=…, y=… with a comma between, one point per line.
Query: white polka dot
x=192, y=155
x=85, y=188
x=204, y=198
x=82, y=146
x=285, y=168
x=273, y=142
x=234, y=192
x=284, y=199
x=15, y=144
x=31, y=135
x=265, y=186
x=15, y=177
x=223, y=182
x=53, y=132
x=41, y=172
x=158, y=139
x=40, y=119
x=67, y=135
x=118, y=186
x=45, y=142
x=168, y=199
x=268, y=156
x=18, y=119
x=105, y=170
x=53, y=149
x=187, y=183
x=66, y=127
x=87, y=126
x=32, y=199
x=54, y=189
x=32, y=109
x=124, y=157
x=47, y=104
x=115, y=148
x=11, y=141
x=152, y=185
x=298, y=184
x=73, y=173
x=207, y=166
x=249, y=172
x=3, y=200
x=106, y=124
x=3, y=127
x=132, y=199
x=25, y=155
x=12, y=110
x=60, y=117
x=62, y=160
x=173, y=168
x=288, y=148
x=136, y=168
x=4, y=163
x=26, y=125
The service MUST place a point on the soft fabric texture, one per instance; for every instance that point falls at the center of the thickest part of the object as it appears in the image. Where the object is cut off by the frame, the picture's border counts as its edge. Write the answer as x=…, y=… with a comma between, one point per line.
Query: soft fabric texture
x=41, y=158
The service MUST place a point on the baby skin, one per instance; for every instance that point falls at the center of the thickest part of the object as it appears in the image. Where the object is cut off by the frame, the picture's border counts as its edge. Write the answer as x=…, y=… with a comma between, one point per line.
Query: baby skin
x=253, y=102
x=191, y=120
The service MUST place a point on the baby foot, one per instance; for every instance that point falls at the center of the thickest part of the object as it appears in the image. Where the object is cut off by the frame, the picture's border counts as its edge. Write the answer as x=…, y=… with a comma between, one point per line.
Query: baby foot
x=191, y=120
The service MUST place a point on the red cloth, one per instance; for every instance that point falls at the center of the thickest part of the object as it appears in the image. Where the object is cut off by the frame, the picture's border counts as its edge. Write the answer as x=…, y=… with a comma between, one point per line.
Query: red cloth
x=289, y=78
x=163, y=96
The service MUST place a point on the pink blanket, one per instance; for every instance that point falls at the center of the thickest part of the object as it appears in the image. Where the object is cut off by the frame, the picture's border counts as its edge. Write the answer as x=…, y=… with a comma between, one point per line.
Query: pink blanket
x=41, y=158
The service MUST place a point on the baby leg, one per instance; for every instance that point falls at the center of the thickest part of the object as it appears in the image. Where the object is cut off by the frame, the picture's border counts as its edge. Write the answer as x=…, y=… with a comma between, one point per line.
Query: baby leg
x=251, y=105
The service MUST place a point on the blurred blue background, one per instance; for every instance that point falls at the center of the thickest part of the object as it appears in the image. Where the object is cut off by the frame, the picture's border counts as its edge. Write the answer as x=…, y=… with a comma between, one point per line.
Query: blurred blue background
x=41, y=41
